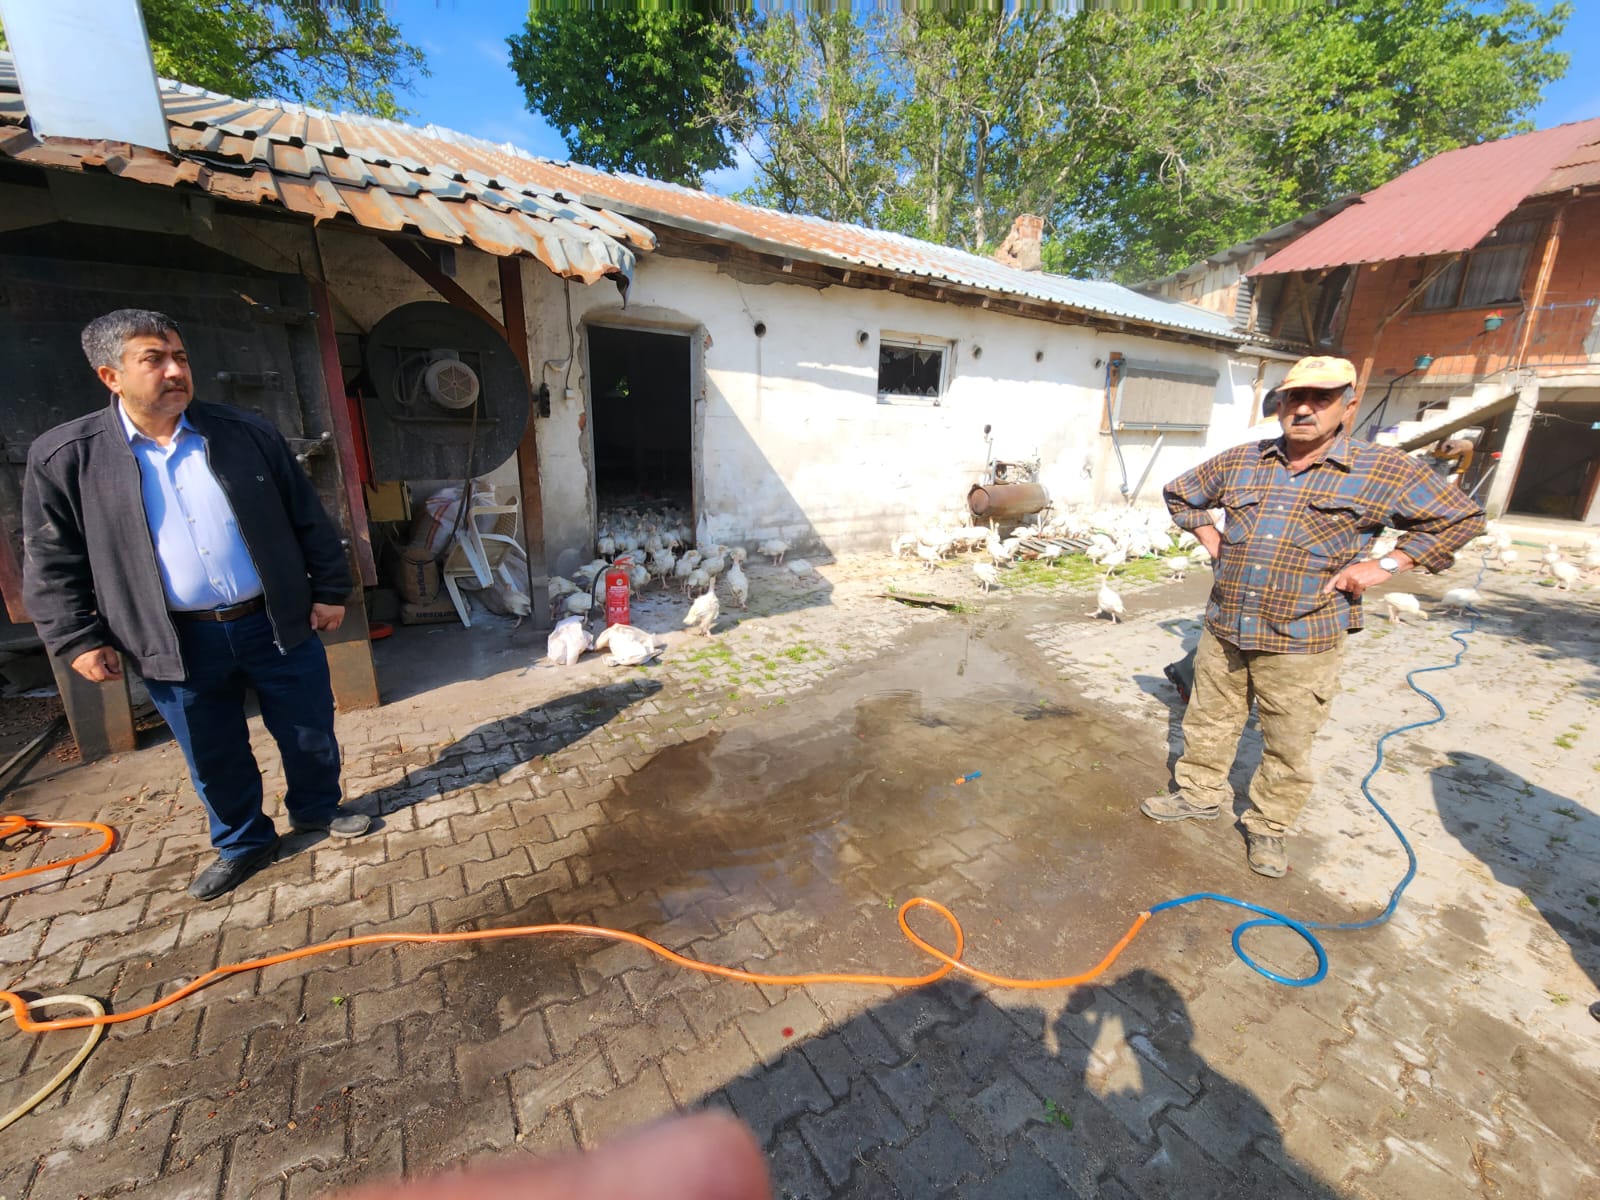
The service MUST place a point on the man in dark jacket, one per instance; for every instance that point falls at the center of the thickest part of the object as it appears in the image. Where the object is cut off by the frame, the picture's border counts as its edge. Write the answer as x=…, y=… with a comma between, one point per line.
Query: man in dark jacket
x=185, y=536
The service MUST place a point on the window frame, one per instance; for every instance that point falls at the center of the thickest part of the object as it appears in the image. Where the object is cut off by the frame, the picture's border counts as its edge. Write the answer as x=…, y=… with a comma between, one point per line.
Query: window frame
x=945, y=347
x=1460, y=272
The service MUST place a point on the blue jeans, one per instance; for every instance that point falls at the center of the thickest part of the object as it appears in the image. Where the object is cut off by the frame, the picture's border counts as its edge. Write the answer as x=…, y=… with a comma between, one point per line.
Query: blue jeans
x=206, y=715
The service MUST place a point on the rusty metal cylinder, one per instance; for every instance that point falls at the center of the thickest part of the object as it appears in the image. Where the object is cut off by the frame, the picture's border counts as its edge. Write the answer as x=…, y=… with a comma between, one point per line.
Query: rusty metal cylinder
x=1007, y=499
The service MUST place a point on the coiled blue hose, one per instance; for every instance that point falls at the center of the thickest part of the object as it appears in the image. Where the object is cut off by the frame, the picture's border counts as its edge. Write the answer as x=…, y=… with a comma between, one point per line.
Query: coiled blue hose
x=1269, y=917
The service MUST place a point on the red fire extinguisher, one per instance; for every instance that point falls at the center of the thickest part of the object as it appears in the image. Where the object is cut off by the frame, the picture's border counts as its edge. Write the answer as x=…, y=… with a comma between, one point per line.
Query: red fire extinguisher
x=617, y=591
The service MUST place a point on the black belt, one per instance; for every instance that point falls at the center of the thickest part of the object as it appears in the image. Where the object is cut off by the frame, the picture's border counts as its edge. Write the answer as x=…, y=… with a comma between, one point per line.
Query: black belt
x=232, y=613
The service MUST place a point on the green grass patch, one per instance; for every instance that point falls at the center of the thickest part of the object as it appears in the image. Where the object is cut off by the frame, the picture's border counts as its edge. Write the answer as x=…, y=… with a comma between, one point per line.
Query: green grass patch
x=1057, y=1115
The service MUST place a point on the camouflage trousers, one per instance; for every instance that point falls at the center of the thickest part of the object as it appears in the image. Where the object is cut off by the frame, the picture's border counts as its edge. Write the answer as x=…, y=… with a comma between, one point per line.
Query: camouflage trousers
x=1292, y=694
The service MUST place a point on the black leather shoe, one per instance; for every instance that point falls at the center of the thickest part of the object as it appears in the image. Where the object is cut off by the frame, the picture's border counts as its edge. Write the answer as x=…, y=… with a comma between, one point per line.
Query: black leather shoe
x=222, y=876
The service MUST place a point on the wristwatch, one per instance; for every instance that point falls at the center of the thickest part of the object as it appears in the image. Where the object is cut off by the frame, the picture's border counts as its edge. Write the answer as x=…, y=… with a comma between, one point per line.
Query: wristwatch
x=1389, y=563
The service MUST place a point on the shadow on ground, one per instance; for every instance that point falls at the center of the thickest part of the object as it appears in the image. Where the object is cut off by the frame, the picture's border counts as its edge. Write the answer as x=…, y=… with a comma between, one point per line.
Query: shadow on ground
x=1533, y=839
x=495, y=747
x=942, y=1092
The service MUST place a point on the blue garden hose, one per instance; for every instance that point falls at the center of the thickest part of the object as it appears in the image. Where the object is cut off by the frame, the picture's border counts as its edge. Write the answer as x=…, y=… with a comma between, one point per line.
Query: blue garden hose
x=1269, y=917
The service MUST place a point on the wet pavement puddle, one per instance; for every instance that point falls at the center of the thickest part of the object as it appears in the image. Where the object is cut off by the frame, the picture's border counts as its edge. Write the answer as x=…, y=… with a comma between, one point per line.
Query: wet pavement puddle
x=846, y=804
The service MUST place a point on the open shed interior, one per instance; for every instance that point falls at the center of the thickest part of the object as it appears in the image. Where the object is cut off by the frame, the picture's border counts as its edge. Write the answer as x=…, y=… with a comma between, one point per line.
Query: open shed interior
x=642, y=421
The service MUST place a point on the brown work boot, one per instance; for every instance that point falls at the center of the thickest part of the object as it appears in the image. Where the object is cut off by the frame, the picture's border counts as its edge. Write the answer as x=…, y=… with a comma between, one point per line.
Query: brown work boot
x=1175, y=806
x=1266, y=853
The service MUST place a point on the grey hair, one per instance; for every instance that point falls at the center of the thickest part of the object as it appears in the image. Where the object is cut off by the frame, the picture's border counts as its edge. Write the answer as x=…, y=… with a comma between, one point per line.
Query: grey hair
x=104, y=337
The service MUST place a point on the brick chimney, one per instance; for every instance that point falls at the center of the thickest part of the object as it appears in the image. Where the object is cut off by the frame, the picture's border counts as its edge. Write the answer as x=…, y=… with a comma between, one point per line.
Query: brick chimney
x=1021, y=247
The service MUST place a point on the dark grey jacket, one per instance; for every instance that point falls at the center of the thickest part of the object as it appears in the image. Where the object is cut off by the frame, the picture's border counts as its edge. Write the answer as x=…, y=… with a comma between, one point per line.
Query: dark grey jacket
x=89, y=570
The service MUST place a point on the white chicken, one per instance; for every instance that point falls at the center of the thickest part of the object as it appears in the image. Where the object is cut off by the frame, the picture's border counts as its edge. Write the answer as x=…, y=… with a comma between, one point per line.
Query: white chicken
x=661, y=564
x=799, y=566
x=929, y=555
x=577, y=604
x=697, y=581
x=988, y=575
x=560, y=587
x=902, y=545
x=1566, y=574
x=704, y=613
x=738, y=554
x=775, y=549
x=1177, y=564
x=567, y=641
x=1507, y=557
x=638, y=578
x=1460, y=598
x=1107, y=601
x=1551, y=556
x=629, y=645
x=739, y=584
x=1402, y=602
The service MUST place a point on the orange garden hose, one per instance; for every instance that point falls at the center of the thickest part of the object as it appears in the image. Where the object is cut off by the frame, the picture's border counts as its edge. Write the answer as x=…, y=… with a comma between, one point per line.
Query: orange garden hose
x=949, y=962
x=13, y=824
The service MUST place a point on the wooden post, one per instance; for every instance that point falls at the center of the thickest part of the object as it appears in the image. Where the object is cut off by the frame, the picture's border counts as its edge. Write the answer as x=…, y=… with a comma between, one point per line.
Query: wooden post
x=1547, y=262
x=1498, y=499
x=100, y=714
x=344, y=439
x=514, y=307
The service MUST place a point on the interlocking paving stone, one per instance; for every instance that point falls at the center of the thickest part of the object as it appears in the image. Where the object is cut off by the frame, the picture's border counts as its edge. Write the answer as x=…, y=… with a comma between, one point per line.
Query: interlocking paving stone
x=1448, y=1054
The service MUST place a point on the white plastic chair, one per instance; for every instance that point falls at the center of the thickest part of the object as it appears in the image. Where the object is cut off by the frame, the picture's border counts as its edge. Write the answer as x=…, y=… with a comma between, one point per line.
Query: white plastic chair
x=479, y=554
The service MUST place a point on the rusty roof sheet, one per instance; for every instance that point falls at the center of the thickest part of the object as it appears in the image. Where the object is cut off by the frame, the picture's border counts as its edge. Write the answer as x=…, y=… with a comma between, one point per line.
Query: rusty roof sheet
x=578, y=221
x=1446, y=204
x=832, y=243
x=1579, y=169
x=378, y=174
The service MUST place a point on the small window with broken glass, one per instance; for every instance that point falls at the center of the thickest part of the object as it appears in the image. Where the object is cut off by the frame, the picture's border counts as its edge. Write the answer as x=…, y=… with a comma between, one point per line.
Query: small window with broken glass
x=910, y=370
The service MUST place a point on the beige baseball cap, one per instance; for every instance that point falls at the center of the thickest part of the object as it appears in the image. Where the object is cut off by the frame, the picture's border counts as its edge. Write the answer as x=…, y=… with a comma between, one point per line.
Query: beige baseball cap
x=1319, y=372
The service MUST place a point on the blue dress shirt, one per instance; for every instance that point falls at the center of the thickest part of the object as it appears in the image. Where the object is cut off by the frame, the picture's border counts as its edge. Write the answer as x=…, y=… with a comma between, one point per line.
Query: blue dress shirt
x=203, y=560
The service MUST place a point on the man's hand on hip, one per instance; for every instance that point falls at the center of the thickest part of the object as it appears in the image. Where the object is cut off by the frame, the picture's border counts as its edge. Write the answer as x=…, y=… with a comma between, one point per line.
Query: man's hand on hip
x=1356, y=578
x=325, y=618
x=99, y=664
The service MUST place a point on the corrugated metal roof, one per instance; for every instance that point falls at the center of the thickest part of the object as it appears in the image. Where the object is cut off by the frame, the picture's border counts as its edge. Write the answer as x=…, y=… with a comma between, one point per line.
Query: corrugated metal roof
x=1579, y=169
x=813, y=239
x=1447, y=204
x=578, y=221
x=331, y=168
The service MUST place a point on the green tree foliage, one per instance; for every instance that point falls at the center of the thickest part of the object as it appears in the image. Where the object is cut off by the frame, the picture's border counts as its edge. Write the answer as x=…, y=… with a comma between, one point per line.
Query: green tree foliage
x=329, y=53
x=633, y=90
x=1145, y=139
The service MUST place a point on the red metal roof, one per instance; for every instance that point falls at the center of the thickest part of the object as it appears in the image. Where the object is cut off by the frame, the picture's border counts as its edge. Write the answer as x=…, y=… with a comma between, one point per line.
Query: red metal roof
x=1447, y=204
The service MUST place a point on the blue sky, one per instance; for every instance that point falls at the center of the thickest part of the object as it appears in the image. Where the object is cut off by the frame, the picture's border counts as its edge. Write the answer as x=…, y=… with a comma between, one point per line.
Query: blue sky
x=473, y=90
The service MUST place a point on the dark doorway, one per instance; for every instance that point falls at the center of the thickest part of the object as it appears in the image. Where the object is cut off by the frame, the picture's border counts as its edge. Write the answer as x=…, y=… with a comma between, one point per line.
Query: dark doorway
x=1560, y=462
x=643, y=425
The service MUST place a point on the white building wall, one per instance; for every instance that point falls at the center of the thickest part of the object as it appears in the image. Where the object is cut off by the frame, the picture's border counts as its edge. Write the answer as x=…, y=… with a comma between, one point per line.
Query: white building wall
x=792, y=439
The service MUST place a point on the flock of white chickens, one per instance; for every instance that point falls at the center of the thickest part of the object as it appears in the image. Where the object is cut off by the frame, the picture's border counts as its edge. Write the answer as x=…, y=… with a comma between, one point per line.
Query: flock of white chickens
x=1111, y=537
x=1496, y=547
x=654, y=548
x=1108, y=537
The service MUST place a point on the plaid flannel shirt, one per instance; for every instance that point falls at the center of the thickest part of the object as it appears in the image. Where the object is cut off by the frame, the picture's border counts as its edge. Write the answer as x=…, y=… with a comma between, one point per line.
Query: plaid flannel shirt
x=1287, y=534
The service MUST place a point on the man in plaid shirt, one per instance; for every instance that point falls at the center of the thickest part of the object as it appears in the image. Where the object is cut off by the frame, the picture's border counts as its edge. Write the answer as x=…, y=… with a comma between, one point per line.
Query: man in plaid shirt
x=1290, y=570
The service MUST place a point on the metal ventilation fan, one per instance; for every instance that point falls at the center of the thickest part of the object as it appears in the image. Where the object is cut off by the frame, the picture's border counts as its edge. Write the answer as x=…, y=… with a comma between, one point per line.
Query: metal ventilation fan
x=451, y=383
x=448, y=396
